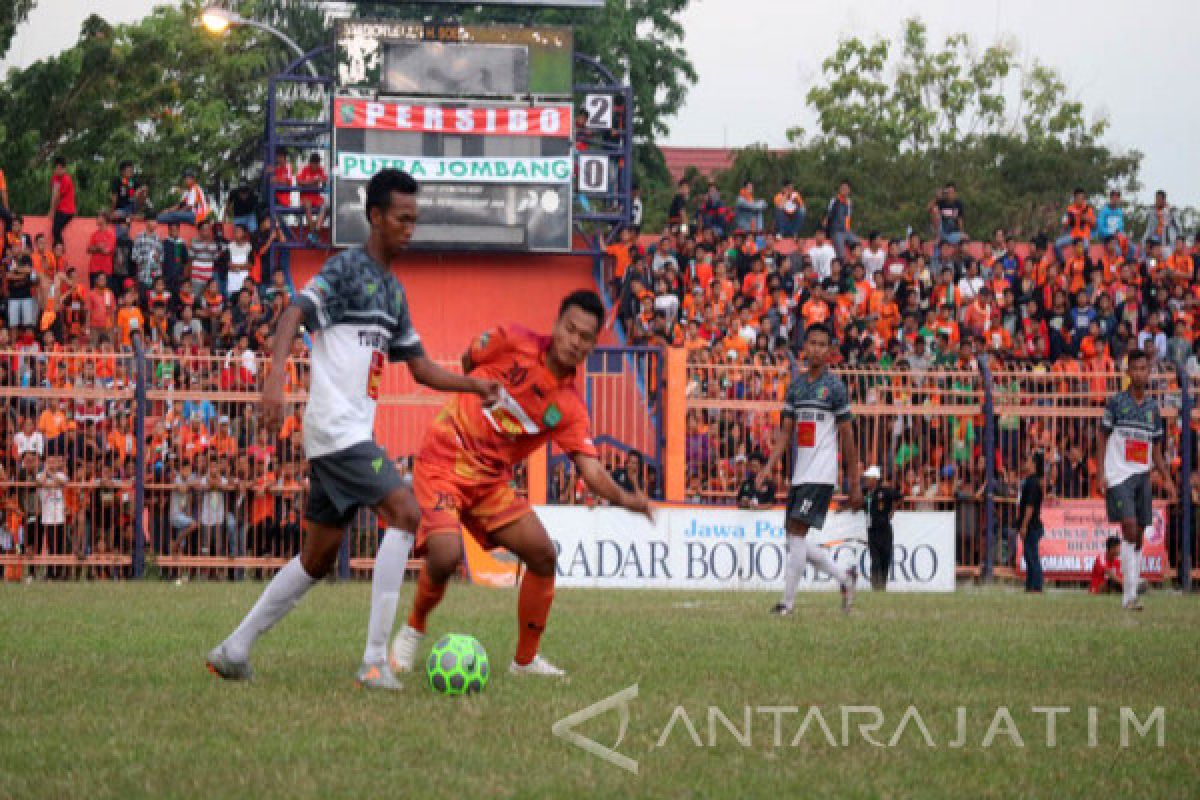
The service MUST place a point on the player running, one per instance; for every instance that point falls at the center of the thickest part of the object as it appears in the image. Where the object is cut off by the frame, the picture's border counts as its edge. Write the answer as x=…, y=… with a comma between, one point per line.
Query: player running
x=462, y=474
x=1131, y=433
x=358, y=313
x=816, y=416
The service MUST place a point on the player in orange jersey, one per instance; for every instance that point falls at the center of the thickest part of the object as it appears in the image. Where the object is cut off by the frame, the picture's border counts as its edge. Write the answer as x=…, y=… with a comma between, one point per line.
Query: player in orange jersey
x=463, y=471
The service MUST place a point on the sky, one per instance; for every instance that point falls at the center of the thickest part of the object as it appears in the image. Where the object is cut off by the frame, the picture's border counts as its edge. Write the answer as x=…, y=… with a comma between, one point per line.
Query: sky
x=1134, y=62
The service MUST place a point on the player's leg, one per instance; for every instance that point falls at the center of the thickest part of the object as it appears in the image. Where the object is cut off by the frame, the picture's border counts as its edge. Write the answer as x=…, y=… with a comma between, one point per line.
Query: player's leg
x=797, y=559
x=400, y=513
x=879, y=546
x=325, y=525
x=1121, y=505
x=439, y=539
x=527, y=538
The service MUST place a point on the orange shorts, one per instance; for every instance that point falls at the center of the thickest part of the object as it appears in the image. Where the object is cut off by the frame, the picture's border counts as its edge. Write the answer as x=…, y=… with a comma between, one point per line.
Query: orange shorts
x=450, y=502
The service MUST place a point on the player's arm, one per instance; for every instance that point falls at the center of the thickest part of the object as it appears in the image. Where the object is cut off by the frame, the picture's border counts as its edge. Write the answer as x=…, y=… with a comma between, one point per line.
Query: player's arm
x=1160, y=463
x=281, y=348
x=428, y=373
x=850, y=455
x=600, y=483
x=782, y=438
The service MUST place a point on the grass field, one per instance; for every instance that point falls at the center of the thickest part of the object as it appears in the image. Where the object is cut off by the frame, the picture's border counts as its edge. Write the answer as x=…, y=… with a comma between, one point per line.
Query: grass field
x=105, y=695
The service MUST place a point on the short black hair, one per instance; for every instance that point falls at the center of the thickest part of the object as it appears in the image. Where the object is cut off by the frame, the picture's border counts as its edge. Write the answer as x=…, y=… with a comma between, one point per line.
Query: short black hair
x=1137, y=355
x=125, y=163
x=59, y=161
x=1112, y=541
x=818, y=327
x=381, y=186
x=587, y=301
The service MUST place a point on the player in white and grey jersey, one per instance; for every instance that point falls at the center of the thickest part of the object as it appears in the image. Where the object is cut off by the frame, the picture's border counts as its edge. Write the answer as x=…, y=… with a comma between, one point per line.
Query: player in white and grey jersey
x=1131, y=434
x=816, y=418
x=358, y=313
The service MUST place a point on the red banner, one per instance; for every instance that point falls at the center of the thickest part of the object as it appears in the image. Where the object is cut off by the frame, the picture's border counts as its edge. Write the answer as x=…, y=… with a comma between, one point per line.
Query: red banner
x=1075, y=534
x=544, y=121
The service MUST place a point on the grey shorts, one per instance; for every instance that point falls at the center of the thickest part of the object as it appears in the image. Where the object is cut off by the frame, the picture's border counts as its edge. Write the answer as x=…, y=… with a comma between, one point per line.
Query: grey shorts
x=809, y=503
x=342, y=482
x=1130, y=499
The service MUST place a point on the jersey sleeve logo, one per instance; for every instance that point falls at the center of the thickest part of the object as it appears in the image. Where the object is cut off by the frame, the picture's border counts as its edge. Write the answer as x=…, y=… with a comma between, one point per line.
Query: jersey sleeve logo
x=552, y=416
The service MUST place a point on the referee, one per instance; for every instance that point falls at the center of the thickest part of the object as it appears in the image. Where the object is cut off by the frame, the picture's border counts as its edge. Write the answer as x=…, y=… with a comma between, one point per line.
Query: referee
x=881, y=507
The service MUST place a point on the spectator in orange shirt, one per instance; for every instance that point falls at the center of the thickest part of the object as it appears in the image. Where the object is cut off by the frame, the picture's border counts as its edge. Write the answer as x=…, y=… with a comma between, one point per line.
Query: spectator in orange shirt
x=1078, y=223
x=789, y=211
x=130, y=318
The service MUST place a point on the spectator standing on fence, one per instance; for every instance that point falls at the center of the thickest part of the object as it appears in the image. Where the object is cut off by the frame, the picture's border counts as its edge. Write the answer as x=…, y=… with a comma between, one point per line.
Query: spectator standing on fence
x=1163, y=225
x=678, y=211
x=789, y=211
x=241, y=207
x=1029, y=525
x=839, y=219
x=1129, y=447
x=62, y=199
x=1110, y=222
x=205, y=252
x=21, y=278
x=1078, y=223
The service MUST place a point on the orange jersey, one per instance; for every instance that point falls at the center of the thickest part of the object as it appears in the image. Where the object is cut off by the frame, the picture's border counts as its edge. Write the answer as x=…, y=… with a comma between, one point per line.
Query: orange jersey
x=485, y=443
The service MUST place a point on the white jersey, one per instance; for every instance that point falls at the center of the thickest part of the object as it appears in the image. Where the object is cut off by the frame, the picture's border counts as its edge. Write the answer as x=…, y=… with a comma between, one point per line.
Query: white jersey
x=54, y=507
x=359, y=315
x=1132, y=430
x=818, y=407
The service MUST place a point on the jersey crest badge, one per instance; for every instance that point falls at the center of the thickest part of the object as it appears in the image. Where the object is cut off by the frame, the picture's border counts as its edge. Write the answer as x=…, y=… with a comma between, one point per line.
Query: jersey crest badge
x=552, y=416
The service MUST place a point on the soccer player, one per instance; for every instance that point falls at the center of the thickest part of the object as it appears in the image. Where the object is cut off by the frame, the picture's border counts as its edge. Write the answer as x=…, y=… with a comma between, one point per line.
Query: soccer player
x=816, y=418
x=462, y=474
x=1131, y=433
x=358, y=313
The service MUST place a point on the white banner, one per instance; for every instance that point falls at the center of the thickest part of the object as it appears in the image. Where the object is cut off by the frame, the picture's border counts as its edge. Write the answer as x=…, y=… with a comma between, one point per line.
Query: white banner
x=713, y=548
x=360, y=166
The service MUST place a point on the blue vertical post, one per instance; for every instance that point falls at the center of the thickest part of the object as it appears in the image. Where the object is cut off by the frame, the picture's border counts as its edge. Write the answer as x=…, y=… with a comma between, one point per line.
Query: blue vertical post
x=1185, y=479
x=989, y=455
x=139, y=457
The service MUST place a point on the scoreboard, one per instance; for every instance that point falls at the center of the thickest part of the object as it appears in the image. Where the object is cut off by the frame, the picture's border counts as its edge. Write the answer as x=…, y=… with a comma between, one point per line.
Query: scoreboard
x=482, y=116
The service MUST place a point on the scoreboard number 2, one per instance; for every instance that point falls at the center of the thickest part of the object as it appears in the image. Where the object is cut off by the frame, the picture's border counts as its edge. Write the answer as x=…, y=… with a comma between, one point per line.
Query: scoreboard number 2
x=599, y=110
x=593, y=174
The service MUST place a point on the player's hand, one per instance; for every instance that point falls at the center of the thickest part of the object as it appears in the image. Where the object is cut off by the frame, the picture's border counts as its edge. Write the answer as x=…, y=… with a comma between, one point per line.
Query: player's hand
x=272, y=402
x=488, y=391
x=640, y=504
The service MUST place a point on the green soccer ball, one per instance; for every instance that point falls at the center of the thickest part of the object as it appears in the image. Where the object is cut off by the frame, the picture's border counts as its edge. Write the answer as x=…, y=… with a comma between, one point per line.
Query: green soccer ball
x=457, y=664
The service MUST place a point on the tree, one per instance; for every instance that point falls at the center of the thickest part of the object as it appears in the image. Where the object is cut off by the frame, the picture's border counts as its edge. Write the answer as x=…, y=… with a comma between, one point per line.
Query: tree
x=162, y=92
x=899, y=120
x=12, y=14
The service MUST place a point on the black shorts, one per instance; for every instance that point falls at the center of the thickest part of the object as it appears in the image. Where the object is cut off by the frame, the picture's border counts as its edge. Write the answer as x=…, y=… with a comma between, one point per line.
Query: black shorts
x=809, y=503
x=1130, y=499
x=342, y=482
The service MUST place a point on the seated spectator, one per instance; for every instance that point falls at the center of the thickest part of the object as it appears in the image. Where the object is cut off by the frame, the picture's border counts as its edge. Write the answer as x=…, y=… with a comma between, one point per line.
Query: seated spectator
x=1106, y=569
x=192, y=207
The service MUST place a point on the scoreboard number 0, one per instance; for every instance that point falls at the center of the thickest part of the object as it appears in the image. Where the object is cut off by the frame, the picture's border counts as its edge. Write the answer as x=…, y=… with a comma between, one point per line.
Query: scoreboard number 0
x=599, y=109
x=593, y=174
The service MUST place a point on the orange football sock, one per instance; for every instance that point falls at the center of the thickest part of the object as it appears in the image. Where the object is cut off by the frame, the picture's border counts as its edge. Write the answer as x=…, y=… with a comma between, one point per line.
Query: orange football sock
x=429, y=594
x=533, y=607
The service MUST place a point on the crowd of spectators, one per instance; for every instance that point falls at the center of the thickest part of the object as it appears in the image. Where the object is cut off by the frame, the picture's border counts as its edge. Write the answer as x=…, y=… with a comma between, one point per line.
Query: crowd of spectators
x=205, y=309
x=736, y=285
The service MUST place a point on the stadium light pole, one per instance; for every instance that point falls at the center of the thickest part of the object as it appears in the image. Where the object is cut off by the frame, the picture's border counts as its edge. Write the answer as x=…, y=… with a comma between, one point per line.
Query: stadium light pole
x=217, y=21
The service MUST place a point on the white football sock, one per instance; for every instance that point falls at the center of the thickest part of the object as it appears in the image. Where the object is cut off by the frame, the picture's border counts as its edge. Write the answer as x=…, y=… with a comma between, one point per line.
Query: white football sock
x=819, y=558
x=1137, y=571
x=390, y=563
x=280, y=597
x=1129, y=561
x=797, y=558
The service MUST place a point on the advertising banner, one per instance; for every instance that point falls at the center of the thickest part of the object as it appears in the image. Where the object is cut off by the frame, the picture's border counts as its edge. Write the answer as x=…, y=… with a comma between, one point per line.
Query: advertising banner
x=1075, y=534
x=716, y=548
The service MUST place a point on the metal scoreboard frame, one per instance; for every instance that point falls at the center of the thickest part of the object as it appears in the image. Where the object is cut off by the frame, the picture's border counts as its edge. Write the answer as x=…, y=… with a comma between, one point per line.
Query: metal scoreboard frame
x=598, y=194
